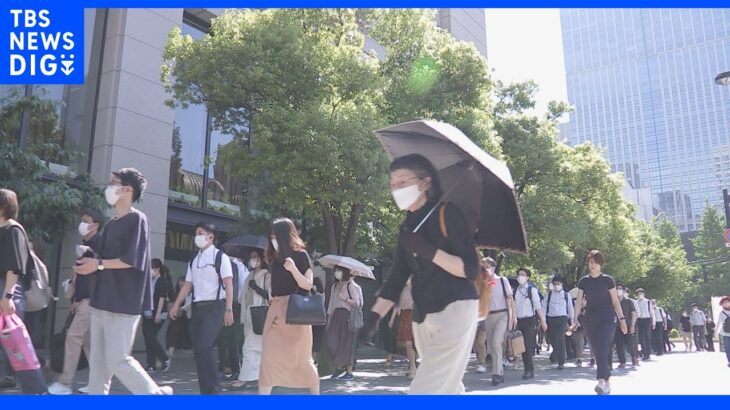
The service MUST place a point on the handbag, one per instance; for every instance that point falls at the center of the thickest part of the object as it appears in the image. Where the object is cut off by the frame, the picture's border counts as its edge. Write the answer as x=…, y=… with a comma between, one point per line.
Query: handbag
x=58, y=349
x=356, y=318
x=17, y=344
x=306, y=309
x=515, y=343
x=258, y=318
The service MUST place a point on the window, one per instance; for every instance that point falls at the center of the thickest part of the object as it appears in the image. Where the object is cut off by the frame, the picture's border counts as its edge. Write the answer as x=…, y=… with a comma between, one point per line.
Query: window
x=201, y=175
x=35, y=115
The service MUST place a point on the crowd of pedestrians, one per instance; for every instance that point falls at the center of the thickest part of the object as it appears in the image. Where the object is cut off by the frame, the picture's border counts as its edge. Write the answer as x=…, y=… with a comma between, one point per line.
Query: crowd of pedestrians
x=428, y=306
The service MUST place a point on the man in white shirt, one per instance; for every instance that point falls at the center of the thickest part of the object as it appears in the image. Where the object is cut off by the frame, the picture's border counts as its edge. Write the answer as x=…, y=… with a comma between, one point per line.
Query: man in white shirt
x=660, y=321
x=558, y=308
x=210, y=278
x=529, y=312
x=698, y=321
x=501, y=317
x=645, y=323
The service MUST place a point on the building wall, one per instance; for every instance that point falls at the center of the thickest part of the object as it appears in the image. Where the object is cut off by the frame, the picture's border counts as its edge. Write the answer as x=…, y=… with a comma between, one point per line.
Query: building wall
x=467, y=25
x=641, y=81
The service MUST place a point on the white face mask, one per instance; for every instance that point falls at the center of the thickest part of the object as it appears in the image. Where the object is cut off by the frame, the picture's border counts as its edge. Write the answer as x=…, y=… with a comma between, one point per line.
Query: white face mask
x=522, y=280
x=111, y=195
x=406, y=197
x=641, y=296
x=275, y=244
x=620, y=293
x=338, y=274
x=84, y=228
x=558, y=288
x=253, y=263
x=201, y=241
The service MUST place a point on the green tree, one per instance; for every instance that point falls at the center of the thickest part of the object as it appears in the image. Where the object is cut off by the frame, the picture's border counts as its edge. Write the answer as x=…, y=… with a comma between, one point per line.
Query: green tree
x=714, y=278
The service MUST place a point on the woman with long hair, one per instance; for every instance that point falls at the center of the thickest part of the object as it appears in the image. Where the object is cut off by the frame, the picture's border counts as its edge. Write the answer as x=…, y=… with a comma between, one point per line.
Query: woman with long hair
x=257, y=293
x=341, y=341
x=602, y=312
x=442, y=262
x=154, y=319
x=286, y=354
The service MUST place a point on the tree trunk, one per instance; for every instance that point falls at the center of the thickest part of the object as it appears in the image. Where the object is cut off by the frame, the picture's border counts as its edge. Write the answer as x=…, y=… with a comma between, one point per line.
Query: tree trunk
x=348, y=246
x=329, y=227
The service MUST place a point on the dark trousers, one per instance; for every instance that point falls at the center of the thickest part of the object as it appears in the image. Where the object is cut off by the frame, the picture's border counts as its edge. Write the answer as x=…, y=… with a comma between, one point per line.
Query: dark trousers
x=726, y=341
x=601, y=331
x=154, y=349
x=710, y=343
x=556, y=333
x=624, y=343
x=644, y=328
x=31, y=381
x=657, y=339
x=528, y=327
x=699, y=334
x=230, y=342
x=205, y=325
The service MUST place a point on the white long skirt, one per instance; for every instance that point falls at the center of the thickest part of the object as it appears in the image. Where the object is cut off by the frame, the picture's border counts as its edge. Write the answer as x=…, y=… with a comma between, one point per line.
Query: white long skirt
x=251, y=351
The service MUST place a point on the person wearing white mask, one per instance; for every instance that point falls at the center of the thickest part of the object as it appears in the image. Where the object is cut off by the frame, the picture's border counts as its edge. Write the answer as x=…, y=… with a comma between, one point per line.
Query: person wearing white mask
x=623, y=341
x=529, y=316
x=154, y=319
x=210, y=279
x=558, y=308
x=644, y=323
x=256, y=294
x=440, y=258
x=341, y=340
x=78, y=335
x=122, y=290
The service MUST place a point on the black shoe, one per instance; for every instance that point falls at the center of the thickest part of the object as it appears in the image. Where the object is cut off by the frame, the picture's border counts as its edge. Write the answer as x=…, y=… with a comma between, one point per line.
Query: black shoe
x=561, y=367
x=165, y=366
x=497, y=379
x=528, y=375
x=7, y=382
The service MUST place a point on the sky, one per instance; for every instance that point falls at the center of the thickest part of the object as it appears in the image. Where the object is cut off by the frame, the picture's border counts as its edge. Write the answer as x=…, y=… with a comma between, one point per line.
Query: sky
x=525, y=44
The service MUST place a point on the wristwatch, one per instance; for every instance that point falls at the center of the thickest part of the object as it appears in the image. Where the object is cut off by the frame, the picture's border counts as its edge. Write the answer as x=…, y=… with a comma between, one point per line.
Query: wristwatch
x=101, y=265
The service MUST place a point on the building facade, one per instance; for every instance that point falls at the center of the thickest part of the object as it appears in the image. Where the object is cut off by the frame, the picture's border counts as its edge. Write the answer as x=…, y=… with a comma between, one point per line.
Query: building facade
x=119, y=118
x=641, y=81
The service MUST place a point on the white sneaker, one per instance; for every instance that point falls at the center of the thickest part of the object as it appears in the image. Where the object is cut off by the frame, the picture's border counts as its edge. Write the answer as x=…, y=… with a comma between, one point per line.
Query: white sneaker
x=59, y=389
x=607, y=388
x=481, y=369
x=166, y=390
x=508, y=365
x=83, y=390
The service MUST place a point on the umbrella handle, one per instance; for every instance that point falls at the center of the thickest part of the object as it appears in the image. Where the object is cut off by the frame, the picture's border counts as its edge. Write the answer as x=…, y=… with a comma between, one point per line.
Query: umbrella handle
x=425, y=218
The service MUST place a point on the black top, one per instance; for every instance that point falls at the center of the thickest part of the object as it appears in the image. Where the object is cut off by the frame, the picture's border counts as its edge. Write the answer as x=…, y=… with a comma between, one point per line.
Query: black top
x=434, y=288
x=685, y=324
x=13, y=257
x=282, y=281
x=127, y=290
x=82, y=283
x=595, y=290
x=628, y=308
x=163, y=289
x=710, y=328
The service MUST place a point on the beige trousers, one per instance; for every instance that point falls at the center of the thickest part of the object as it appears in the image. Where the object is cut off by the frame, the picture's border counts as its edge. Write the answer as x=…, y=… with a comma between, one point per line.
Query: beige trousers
x=78, y=337
x=112, y=337
x=444, y=341
x=496, y=324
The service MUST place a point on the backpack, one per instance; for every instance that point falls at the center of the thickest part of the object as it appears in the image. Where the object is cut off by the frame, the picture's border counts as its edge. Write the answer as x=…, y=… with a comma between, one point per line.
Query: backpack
x=217, y=264
x=726, y=324
x=38, y=292
x=548, y=303
x=530, y=287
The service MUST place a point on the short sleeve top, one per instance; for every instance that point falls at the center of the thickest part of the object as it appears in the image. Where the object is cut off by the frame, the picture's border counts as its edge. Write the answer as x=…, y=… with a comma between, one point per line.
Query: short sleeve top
x=596, y=292
x=282, y=281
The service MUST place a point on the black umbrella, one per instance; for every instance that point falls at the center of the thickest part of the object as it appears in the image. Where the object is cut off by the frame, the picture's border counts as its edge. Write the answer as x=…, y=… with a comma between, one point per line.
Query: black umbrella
x=241, y=246
x=475, y=181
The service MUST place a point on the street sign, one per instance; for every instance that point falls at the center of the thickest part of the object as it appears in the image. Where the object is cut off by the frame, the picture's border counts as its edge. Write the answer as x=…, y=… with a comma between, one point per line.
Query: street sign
x=726, y=235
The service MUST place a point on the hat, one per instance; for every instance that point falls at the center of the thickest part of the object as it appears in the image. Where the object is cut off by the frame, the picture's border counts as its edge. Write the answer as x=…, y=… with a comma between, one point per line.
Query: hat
x=640, y=290
x=557, y=278
x=724, y=299
x=693, y=305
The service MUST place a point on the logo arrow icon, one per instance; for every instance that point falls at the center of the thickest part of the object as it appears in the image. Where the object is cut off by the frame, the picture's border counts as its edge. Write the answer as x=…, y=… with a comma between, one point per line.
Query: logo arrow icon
x=67, y=69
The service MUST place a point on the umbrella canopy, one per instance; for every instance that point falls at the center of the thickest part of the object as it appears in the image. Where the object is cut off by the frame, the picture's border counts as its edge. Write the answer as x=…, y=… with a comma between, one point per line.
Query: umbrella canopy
x=356, y=267
x=479, y=184
x=241, y=246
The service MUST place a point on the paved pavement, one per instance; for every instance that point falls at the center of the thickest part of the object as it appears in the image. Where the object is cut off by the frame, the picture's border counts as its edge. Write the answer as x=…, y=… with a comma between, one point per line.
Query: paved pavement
x=675, y=373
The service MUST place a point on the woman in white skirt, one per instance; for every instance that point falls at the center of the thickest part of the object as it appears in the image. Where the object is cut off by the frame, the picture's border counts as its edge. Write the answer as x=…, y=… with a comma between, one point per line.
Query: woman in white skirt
x=258, y=292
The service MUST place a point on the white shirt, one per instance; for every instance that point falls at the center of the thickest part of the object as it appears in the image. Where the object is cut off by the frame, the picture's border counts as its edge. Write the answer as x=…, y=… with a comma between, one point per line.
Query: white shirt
x=558, y=306
x=645, y=311
x=501, y=288
x=724, y=315
x=204, y=278
x=522, y=303
x=697, y=318
x=658, y=315
x=243, y=274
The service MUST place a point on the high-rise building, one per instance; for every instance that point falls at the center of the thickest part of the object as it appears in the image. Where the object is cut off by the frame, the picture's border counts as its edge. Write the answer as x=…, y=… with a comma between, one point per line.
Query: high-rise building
x=641, y=81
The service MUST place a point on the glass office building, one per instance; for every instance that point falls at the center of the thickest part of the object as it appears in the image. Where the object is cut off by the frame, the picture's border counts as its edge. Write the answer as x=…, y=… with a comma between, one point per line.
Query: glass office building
x=641, y=82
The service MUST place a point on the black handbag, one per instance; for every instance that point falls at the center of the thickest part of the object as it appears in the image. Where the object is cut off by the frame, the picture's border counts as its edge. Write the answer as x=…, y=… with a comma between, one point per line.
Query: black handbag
x=307, y=309
x=58, y=348
x=258, y=318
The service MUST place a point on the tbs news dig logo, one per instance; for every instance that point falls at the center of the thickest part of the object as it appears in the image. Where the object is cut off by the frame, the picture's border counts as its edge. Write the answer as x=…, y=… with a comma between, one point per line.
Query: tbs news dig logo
x=45, y=47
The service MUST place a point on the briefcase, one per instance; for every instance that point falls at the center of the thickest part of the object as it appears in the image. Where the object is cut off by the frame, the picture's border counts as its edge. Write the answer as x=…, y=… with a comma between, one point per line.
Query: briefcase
x=515, y=343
